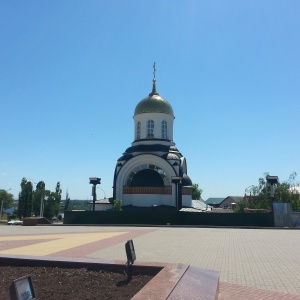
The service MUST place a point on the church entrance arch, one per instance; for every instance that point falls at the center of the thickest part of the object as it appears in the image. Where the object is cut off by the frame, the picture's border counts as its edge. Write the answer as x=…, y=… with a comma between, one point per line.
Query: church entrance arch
x=152, y=186
x=147, y=175
x=147, y=178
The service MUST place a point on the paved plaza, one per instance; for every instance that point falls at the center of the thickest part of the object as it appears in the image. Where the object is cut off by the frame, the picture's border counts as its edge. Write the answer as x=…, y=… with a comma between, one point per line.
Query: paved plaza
x=253, y=263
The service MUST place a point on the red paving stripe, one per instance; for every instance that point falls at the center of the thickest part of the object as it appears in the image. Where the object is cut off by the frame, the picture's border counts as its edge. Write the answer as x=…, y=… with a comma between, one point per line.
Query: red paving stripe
x=230, y=291
x=85, y=250
x=61, y=233
x=7, y=245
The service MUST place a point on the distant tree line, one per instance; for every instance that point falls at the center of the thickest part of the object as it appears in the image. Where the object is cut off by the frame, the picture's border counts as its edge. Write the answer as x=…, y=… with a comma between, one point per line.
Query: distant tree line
x=196, y=192
x=75, y=204
x=6, y=198
x=259, y=197
x=6, y=201
x=30, y=200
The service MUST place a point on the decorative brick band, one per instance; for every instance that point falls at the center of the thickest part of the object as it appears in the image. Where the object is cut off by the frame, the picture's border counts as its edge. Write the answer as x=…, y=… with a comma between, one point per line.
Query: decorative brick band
x=167, y=190
x=186, y=191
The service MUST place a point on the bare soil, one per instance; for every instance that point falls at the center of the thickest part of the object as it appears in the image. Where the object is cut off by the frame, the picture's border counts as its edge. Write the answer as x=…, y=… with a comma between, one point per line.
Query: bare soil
x=73, y=283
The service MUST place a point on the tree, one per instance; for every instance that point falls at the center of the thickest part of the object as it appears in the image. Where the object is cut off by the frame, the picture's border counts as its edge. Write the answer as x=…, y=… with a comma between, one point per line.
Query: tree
x=240, y=206
x=48, y=211
x=58, y=192
x=25, y=199
x=38, y=197
x=57, y=196
x=30, y=201
x=67, y=202
x=196, y=192
x=51, y=206
x=7, y=199
x=258, y=196
x=117, y=205
x=52, y=201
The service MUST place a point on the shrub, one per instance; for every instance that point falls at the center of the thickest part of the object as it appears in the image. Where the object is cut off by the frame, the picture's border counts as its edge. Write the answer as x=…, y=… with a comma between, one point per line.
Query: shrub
x=117, y=205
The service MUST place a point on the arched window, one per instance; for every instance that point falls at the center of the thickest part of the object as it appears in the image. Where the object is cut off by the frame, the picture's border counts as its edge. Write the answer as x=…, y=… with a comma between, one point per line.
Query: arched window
x=164, y=130
x=138, y=130
x=142, y=167
x=150, y=129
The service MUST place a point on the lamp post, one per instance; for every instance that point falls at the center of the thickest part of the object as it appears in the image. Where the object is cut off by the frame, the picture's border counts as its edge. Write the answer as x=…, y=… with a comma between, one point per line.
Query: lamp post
x=102, y=191
x=271, y=180
x=42, y=206
x=1, y=209
x=94, y=181
x=249, y=197
x=178, y=188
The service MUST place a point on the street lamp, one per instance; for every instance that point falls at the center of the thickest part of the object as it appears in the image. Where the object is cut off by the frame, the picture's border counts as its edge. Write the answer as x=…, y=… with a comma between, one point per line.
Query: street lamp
x=271, y=180
x=178, y=180
x=102, y=191
x=94, y=181
x=249, y=197
x=1, y=208
x=42, y=206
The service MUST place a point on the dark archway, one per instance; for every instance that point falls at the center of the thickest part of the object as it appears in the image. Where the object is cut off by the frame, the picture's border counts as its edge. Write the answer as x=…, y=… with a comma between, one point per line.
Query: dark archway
x=147, y=178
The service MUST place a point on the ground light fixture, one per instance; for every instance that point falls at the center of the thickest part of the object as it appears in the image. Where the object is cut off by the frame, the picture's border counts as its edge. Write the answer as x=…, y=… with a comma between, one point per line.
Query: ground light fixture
x=22, y=289
x=130, y=253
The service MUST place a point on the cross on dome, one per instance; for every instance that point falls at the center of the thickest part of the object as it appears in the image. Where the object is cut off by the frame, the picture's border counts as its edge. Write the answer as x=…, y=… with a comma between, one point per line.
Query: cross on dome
x=154, y=82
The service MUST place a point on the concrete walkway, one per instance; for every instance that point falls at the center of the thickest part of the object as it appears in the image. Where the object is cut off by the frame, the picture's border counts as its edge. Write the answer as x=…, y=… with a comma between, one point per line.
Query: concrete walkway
x=253, y=263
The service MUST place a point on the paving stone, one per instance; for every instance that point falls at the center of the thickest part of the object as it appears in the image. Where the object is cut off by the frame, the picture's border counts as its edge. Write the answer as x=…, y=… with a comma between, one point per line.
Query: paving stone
x=249, y=260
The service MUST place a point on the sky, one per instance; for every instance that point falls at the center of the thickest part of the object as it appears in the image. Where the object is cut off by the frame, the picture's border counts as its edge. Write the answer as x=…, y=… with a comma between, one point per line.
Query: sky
x=72, y=73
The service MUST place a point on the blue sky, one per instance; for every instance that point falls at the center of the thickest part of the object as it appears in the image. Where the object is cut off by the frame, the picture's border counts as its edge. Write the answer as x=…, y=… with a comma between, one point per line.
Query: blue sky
x=72, y=72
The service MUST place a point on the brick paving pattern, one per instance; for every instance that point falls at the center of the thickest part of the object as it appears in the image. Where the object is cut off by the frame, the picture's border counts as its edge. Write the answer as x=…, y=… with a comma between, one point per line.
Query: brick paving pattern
x=253, y=263
x=230, y=291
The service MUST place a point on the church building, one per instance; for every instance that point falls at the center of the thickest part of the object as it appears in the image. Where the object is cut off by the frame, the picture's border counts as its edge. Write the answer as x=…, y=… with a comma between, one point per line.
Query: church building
x=153, y=172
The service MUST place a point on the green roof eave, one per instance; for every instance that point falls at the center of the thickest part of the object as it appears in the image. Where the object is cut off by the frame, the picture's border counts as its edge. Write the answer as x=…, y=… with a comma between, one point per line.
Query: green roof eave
x=211, y=201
